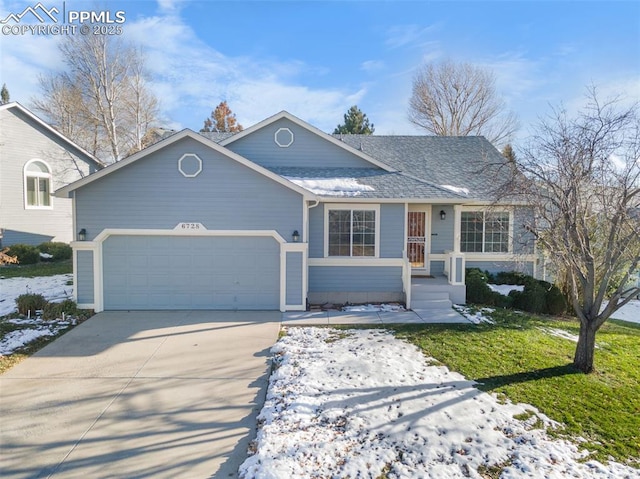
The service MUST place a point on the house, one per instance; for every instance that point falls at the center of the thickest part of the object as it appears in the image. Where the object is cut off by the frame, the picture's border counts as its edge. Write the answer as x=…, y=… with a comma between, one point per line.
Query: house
x=282, y=214
x=35, y=160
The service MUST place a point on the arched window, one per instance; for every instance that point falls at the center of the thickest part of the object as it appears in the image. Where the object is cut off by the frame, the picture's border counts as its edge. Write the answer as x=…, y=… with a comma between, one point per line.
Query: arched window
x=37, y=184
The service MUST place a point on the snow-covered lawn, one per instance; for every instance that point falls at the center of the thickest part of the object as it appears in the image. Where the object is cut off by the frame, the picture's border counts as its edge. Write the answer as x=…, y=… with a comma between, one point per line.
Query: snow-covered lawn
x=361, y=403
x=53, y=288
x=629, y=312
x=34, y=329
x=476, y=317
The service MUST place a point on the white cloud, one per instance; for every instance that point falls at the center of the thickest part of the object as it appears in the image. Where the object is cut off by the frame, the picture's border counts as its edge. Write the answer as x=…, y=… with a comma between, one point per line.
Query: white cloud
x=191, y=78
x=409, y=35
x=372, y=65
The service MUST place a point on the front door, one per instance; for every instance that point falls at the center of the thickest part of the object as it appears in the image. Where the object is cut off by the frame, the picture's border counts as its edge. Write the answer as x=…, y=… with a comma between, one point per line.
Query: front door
x=416, y=239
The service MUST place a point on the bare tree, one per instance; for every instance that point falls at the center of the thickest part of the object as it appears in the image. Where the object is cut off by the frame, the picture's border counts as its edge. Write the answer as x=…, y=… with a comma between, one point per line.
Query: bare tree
x=101, y=101
x=460, y=99
x=582, y=176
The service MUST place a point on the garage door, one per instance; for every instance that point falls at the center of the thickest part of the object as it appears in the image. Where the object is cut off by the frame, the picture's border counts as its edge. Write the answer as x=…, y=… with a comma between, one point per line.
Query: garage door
x=177, y=272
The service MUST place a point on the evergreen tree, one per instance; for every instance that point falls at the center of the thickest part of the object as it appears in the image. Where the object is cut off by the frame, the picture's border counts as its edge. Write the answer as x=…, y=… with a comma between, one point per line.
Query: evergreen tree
x=222, y=119
x=355, y=122
x=4, y=94
x=508, y=153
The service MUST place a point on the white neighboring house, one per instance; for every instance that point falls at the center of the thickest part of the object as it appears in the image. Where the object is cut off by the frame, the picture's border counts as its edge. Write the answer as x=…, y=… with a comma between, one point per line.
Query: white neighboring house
x=36, y=160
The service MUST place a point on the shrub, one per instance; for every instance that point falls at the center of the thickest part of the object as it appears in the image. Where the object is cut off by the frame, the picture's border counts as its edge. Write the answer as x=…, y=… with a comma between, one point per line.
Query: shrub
x=478, y=291
x=556, y=302
x=533, y=299
x=511, y=277
x=30, y=302
x=26, y=254
x=55, y=310
x=58, y=251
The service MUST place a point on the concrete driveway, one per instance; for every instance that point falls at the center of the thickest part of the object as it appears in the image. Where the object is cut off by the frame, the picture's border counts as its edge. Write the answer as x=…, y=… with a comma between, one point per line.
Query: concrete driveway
x=139, y=394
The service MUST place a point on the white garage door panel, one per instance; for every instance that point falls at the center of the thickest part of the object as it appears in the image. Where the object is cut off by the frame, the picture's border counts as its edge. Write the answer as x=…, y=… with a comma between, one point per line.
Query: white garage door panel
x=177, y=272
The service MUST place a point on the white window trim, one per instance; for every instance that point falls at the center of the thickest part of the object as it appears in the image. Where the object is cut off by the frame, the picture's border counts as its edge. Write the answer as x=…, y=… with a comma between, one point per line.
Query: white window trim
x=351, y=207
x=506, y=209
x=35, y=174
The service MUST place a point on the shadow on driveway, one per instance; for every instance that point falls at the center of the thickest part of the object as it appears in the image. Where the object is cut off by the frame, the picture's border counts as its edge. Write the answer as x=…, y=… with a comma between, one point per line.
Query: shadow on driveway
x=139, y=394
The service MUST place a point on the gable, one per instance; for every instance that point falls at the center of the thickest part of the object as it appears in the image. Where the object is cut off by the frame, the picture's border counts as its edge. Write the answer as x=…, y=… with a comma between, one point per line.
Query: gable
x=24, y=138
x=287, y=142
x=159, y=191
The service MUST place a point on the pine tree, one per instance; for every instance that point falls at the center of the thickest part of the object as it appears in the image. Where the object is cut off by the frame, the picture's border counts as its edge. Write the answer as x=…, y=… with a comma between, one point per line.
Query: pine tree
x=4, y=94
x=508, y=153
x=222, y=119
x=355, y=122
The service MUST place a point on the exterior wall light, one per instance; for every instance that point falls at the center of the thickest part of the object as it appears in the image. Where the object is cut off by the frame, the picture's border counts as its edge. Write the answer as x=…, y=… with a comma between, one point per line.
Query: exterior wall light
x=295, y=236
x=82, y=235
x=443, y=215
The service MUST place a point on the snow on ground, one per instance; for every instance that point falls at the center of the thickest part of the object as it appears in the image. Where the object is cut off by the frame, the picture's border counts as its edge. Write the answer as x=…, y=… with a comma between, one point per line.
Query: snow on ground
x=629, y=312
x=53, y=288
x=364, y=308
x=36, y=328
x=360, y=403
x=505, y=289
x=331, y=186
x=475, y=317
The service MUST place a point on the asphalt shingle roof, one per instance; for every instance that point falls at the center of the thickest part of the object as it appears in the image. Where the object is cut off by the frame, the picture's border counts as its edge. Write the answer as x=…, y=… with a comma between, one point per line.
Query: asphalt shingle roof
x=469, y=162
x=426, y=165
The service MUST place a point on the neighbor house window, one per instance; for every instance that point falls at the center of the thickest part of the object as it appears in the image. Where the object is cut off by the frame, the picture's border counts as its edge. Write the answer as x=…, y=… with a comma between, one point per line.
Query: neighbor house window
x=37, y=179
x=484, y=232
x=351, y=232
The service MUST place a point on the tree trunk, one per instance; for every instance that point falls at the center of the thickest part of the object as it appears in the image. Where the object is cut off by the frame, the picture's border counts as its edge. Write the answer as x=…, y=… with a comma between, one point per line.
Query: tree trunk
x=585, y=350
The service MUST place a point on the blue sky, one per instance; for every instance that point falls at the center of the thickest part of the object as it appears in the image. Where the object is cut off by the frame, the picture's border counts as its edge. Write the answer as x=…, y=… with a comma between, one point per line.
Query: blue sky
x=316, y=59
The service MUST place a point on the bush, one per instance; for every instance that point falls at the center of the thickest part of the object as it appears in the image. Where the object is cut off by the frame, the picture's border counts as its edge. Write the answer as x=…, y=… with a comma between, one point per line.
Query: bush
x=556, y=302
x=55, y=310
x=511, y=277
x=478, y=291
x=26, y=254
x=533, y=299
x=30, y=302
x=58, y=251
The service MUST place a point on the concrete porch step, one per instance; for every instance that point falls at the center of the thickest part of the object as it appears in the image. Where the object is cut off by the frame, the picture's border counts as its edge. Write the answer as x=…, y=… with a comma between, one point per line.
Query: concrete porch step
x=424, y=295
x=431, y=304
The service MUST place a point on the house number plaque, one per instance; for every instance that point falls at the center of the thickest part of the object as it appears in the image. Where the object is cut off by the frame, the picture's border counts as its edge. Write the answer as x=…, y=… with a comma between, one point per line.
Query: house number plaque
x=190, y=226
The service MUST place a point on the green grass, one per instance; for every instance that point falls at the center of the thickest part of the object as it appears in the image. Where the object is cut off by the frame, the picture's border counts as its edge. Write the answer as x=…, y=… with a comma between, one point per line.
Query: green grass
x=516, y=359
x=39, y=269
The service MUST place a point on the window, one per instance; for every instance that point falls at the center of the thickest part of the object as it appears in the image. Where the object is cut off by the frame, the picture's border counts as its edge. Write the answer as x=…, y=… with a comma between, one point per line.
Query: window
x=484, y=232
x=351, y=232
x=37, y=179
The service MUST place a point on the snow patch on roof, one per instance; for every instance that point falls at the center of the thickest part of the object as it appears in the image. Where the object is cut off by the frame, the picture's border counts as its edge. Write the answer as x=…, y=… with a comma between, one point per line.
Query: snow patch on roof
x=456, y=189
x=331, y=186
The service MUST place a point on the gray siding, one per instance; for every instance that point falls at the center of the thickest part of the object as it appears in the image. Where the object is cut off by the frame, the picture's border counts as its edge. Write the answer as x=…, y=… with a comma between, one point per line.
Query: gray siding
x=391, y=230
x=152, y=193
x=84, y=274
x=176, y=272
x=23, y=140
x=392, y=239
x=308, y=149
x=294, y=278
x=523, y=240
x=437, y=268
x=316, y=231
x=442, y=231
x=355, y=279
x=498, y=266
